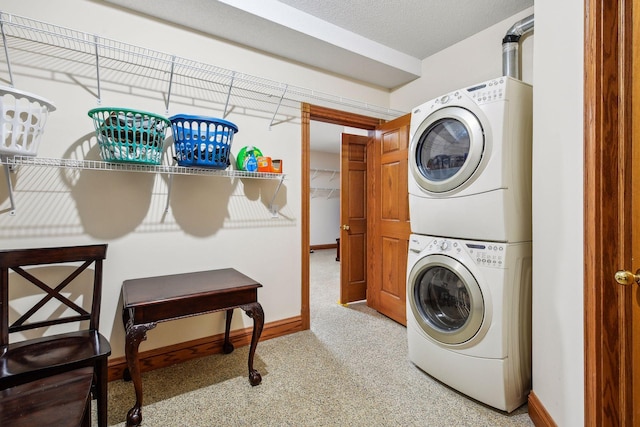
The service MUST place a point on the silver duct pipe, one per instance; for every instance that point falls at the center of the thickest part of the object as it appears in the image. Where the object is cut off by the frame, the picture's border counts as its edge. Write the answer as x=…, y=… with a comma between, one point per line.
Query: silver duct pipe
x=511, y=47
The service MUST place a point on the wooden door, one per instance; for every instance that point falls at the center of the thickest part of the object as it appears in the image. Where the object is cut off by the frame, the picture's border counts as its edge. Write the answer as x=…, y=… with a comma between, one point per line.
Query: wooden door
x=611, y=214
x=353, y=218
x=389, y=226
x=635, y=297
x=634, y=293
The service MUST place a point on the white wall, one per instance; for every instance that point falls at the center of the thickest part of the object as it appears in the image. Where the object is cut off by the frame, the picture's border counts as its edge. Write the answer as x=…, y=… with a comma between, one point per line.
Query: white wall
x=212, y=222
x=558, y=363
x=558, y=346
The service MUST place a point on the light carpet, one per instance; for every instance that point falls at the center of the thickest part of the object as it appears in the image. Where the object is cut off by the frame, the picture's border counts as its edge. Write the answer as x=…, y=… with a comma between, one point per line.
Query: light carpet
x=350, y=369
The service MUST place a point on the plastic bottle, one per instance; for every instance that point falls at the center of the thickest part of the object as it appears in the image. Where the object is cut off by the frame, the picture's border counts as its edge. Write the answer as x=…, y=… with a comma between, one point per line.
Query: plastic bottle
x=250, y=160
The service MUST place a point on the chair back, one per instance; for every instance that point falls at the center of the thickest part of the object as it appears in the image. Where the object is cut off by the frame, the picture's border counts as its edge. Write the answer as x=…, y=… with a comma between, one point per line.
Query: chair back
x=77, y=258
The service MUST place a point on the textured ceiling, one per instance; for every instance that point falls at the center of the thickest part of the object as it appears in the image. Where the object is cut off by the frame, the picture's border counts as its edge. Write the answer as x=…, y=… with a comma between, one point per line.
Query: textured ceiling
x=377, y=42
x=418, y=28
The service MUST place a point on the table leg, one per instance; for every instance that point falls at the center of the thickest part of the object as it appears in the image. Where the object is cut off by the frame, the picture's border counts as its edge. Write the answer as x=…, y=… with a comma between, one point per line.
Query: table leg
x=135, y=335
x=227, y=347
x=254, y=310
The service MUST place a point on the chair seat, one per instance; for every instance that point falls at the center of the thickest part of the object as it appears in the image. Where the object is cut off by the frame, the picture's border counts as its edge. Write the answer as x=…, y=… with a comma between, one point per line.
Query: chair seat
x=26, y=360
x=60, y=400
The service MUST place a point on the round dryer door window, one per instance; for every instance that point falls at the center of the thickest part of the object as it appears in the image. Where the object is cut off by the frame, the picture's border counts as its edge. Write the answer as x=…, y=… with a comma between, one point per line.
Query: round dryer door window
x=446, y=149
x=445, y=299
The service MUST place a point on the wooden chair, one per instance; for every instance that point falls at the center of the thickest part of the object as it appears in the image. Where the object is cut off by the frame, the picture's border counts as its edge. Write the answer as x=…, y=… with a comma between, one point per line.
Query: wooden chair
x=40, y=356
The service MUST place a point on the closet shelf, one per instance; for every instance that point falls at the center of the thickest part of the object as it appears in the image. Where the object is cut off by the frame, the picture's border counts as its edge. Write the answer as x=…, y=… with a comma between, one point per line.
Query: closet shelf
x=98, y=62
x=131, y=167
x=316, y=172
x=317, y=191
x=11, y=163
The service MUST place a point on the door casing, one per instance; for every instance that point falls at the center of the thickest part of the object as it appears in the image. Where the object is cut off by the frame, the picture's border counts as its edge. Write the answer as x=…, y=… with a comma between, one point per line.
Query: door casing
x=326, y=115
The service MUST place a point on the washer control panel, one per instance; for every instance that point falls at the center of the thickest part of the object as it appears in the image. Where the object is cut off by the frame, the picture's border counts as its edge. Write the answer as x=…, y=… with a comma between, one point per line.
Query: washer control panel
x=487, y=254
x=490, y=91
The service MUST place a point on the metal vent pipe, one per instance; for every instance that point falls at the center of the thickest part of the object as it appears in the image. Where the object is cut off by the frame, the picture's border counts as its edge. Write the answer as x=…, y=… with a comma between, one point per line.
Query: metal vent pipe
x=511, y=47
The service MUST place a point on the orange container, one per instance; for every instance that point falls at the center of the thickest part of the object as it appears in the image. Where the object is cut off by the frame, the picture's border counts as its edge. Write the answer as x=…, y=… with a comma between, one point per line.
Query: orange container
x=264, y=164
x=276, y=166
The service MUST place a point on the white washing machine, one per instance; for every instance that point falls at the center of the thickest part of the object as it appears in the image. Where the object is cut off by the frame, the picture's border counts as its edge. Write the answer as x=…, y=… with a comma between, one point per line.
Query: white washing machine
x=470, y=163
x=469, y=316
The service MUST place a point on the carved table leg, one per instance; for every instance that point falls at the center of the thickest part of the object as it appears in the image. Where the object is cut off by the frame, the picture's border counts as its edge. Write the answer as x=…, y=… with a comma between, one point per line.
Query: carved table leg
x=135, y=335
x=254, y=310
x=227, y=347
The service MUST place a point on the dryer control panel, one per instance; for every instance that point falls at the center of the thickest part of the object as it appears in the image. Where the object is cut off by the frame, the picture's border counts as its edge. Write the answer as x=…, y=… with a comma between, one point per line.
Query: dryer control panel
x=490, y=91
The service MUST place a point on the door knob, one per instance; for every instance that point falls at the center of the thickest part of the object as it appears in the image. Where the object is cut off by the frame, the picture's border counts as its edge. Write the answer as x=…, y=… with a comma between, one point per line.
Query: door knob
x=624, y=277
x=345, y=227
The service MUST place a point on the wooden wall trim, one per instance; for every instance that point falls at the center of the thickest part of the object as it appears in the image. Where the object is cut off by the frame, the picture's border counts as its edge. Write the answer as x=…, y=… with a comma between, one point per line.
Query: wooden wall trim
x=305, y=214
x=337, y=117
x=324, y=246
x=182, y=352
x=538, y=413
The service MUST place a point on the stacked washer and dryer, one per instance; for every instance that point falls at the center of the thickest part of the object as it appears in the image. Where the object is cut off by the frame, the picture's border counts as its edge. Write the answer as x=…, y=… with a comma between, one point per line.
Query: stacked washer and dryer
x=469, y=261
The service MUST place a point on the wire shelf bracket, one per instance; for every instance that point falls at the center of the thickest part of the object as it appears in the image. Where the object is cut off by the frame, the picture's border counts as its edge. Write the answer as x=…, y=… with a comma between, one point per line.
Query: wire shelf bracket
x=226, y=103
x=173, y=66
x=7, y=169
x=278, y=107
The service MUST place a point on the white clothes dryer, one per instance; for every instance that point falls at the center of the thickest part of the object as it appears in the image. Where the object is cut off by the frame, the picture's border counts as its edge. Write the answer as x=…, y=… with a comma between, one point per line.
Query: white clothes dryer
x=469, y=316
x=470, y=163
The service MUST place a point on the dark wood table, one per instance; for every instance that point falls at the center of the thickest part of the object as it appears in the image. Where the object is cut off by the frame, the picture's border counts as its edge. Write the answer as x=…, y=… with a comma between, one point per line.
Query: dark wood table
x=151, y=300
x=61, y=400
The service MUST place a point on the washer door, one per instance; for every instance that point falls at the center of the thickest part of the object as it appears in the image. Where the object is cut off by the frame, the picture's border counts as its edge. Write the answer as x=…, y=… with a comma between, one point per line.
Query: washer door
x=445, y=299
x=446, y=149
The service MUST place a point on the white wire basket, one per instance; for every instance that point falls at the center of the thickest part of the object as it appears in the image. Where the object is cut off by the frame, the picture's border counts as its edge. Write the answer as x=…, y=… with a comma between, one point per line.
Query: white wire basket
x=22, y=121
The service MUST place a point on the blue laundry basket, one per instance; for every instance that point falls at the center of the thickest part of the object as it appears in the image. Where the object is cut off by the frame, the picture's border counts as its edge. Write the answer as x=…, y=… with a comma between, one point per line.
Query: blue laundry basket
x=202, y=141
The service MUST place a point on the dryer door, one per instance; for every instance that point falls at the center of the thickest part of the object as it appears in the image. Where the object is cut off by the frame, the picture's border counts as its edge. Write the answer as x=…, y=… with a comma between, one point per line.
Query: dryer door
x=446, y=149
x=445, y=299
